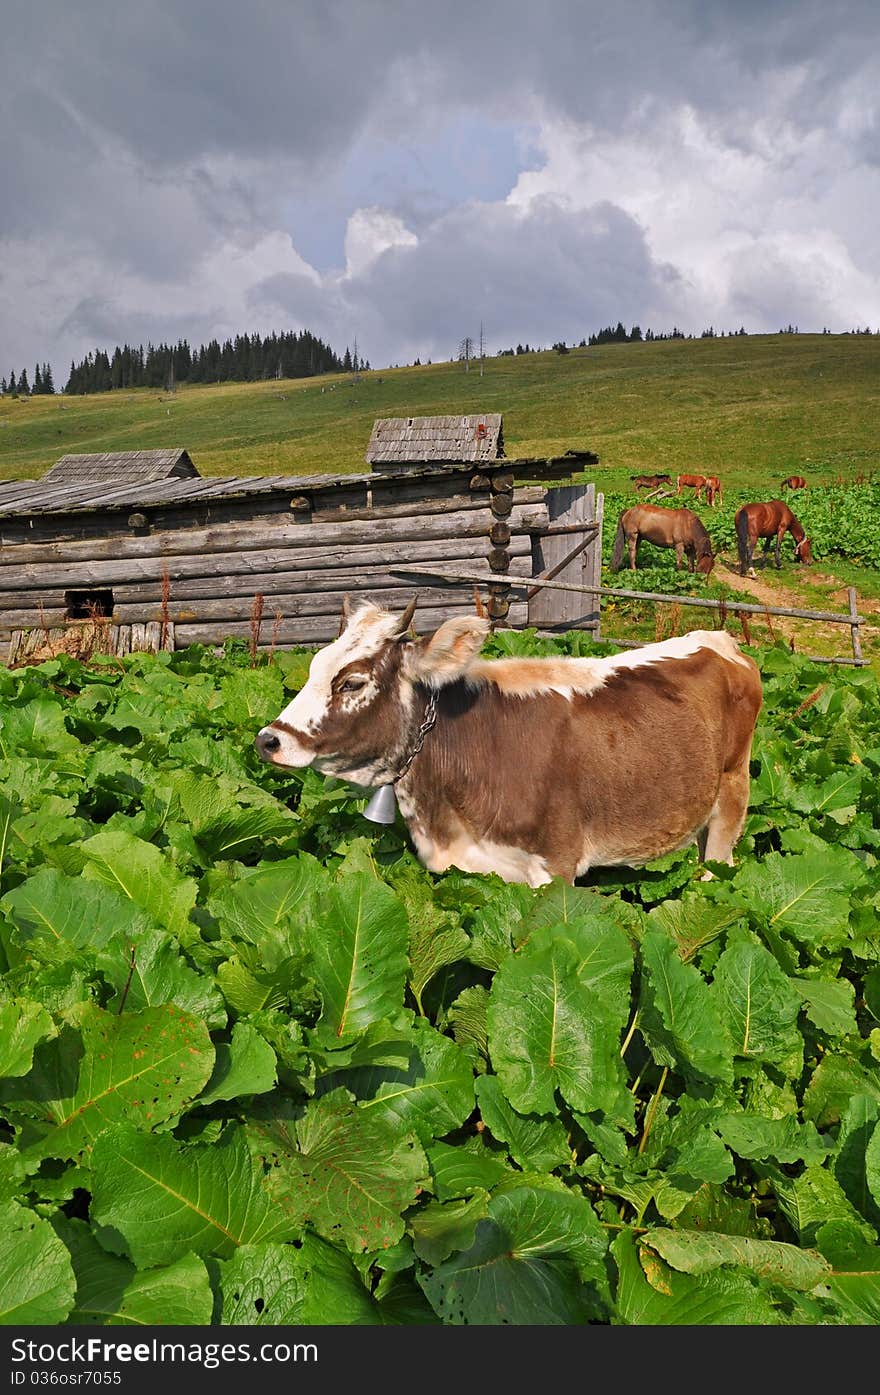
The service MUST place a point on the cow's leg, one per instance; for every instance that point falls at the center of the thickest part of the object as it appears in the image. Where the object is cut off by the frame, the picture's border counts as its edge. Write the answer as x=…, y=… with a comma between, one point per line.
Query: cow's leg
x=728, y=815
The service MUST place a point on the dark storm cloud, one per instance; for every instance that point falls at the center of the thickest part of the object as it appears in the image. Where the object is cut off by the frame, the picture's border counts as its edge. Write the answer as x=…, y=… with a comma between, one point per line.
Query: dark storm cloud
x=148, y=148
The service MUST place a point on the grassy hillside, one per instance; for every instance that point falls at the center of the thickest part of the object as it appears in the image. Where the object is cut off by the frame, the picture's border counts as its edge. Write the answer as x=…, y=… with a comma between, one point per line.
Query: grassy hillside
x=749, y=409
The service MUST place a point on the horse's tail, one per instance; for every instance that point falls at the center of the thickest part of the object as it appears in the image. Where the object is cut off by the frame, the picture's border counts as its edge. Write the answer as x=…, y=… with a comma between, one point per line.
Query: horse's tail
x=619, y=545
x=742, y=540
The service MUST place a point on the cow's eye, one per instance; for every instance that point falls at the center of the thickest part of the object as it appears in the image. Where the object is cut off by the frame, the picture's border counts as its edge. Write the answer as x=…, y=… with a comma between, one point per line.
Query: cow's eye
x=352, y=685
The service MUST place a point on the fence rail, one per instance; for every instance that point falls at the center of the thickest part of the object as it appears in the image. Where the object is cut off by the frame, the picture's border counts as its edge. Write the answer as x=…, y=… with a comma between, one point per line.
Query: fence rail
x=829, y=617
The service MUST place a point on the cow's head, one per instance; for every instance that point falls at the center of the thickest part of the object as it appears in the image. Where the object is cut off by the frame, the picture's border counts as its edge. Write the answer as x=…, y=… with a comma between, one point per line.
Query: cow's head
x=365, y=696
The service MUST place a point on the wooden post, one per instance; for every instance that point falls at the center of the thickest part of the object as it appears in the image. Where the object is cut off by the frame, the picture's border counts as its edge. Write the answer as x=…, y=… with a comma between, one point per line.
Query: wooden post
x=501, y=504
x=854, y=626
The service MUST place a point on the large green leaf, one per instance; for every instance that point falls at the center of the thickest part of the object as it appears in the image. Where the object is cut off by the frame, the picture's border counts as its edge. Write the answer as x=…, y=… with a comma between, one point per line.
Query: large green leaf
x=784, y=1140
x=756, y=1002
x=433, y=1096
x=349, y=1174
x=37, y=728
x=246, y=1066
x=143, y=873
x=271, y=1285
x=23, y=1025
x=156, y=1199
x=36, y=1276
x=805, y=896
x=677, y=1016
x=111, y=1292
x=149, y=970
x=650, y=1294
x=812, y=1199
x=359, y=956
x=700, y=1251
x=83, y=914
x=548, y=1031
x=143, y=1067
x=531, y=1262
x=460, y=1171
x=533, y=1142
x=830, y=1004
x=266, y=908
x=443, y=1226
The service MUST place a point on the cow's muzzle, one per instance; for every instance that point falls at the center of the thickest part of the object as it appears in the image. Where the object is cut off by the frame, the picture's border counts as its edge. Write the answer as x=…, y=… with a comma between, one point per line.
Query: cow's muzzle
x=267, y=743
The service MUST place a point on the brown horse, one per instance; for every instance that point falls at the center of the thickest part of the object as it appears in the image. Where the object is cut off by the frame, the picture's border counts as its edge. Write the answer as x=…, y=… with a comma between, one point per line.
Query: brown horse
x=695, y=482
x=650, y=481
x=794, y=482
x=713, y=490
x=678, y=528
x=768, y=521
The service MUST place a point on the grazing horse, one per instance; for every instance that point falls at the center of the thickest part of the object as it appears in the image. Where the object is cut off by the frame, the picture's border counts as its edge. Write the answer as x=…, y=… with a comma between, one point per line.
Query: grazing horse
x=695, y=482
x=768, y=521
x=678, y=528
x=713, y=490
x=531, y=768
x=794, y=482
x=650, y=481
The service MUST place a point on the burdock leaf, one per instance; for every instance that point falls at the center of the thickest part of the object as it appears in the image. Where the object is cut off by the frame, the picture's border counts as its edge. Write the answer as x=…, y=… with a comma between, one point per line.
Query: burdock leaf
x=805, y=895
x=143, y=1067
x=140, y=871
x=351, y=1176
x=157, y=1199
x=530, y=1263
x=23, y=1024
x=533, y=1142
x=112, y=1293
x=756, y=1001
x=548, y=1031
x=272, y=1285
x=677, y=1015
x=246, y=1066
x=650, y=1294
x=36, y=1275
x=359, y=956
x=434, y=1095
x=700, y=1251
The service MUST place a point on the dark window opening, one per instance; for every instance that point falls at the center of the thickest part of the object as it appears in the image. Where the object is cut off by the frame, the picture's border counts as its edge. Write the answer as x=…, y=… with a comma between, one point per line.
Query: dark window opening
x=88, y=605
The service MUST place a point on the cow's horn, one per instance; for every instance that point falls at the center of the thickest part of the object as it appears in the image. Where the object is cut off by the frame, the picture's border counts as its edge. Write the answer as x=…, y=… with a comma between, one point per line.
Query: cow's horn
x=345, y=614
x=406, y=619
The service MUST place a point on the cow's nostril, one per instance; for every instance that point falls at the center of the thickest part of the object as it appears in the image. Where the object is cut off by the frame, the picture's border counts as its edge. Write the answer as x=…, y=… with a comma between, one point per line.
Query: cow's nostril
x=267, y=742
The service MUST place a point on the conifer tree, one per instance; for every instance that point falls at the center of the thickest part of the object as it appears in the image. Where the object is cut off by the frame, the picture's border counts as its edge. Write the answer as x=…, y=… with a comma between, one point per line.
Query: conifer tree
x=23, y=385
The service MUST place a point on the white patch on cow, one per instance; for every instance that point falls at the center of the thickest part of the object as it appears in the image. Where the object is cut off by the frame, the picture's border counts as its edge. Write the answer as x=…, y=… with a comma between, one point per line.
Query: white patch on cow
x=509, y=863
x=529, y=677
x=367, y=630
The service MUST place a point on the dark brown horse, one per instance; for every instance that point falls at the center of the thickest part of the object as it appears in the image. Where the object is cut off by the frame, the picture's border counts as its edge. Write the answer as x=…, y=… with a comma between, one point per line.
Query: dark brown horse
x=768, y=521
x=650, y=481
x=794, y=482
x=678, y=528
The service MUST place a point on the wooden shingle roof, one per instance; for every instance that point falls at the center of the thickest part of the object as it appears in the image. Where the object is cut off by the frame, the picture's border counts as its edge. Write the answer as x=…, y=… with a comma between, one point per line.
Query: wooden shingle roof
x=122, y=467
x=405, y=440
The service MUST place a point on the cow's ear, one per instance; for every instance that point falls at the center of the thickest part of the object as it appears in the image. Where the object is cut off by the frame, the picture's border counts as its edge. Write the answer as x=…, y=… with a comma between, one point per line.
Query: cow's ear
x=450, y=651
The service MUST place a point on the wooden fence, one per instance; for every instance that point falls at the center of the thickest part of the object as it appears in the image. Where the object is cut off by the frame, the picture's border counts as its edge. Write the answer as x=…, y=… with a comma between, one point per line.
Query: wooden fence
x=735, y=607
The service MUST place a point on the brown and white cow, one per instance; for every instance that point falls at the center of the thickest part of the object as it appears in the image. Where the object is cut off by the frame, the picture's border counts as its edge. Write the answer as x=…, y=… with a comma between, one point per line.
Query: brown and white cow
x=531, y=768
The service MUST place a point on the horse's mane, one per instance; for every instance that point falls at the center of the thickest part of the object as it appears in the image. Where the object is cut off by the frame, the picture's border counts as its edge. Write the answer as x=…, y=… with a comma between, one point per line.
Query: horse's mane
x=701, y=538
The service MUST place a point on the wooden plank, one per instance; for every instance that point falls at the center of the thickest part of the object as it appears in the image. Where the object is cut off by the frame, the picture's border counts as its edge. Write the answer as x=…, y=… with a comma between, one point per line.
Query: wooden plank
x=318, y=629
x=121, y=569
x=356, y=570
x=569, y=505
x=396, y=590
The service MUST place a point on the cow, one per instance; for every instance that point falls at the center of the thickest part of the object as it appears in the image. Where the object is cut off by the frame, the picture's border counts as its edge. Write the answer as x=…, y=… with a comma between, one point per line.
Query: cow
x=531, y=768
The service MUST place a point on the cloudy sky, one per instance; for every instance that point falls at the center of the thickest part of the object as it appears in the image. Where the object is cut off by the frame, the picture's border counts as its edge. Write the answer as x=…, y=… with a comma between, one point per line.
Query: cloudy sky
x=394, y=171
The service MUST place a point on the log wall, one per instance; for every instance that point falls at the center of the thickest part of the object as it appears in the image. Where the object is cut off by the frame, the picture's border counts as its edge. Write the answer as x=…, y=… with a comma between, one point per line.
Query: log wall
x=301, y=555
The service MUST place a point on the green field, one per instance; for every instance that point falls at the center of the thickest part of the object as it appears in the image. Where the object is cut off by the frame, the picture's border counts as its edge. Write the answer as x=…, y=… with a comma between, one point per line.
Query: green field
x=749, y=409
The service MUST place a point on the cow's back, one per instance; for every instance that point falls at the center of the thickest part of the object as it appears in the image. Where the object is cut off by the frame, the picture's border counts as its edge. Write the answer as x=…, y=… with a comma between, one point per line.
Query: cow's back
x=619, y=774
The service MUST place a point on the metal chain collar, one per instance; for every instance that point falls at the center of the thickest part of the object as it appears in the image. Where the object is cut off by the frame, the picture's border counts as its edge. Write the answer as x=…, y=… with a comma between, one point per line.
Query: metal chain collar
x=428, y=721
